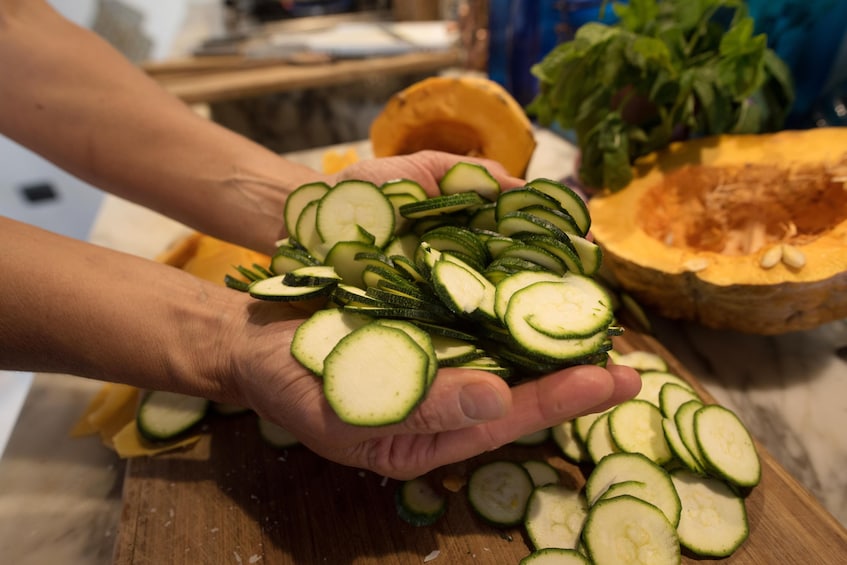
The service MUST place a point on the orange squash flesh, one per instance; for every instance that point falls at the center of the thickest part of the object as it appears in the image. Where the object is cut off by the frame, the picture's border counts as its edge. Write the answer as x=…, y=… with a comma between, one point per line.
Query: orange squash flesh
x=471, y=116
x=694, y=233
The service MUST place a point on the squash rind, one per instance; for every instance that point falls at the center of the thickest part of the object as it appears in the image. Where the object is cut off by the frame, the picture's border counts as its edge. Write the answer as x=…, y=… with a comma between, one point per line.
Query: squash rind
x=727, y=291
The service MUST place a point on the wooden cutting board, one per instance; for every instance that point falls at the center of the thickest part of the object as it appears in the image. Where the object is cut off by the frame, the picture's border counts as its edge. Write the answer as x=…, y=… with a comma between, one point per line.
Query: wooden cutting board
x=233, y=499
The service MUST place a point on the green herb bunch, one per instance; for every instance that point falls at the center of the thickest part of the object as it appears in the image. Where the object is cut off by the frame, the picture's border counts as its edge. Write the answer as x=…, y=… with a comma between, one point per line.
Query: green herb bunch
x=666, y=70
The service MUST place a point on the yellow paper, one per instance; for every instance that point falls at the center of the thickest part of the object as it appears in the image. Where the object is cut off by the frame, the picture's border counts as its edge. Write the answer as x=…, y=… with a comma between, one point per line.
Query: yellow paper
x=128, y=442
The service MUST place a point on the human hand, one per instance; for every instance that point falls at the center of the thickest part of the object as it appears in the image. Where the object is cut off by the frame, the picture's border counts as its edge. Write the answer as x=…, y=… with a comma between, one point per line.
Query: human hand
x=465, y=413
x=424, y=167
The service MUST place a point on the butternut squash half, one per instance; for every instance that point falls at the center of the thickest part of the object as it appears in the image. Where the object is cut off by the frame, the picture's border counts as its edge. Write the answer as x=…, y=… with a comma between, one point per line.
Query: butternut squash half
x=471, y=116
x=745, y=232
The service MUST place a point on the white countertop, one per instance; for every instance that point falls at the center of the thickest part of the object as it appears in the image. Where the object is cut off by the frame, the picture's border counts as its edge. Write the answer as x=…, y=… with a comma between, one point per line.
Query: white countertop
x=60, y=497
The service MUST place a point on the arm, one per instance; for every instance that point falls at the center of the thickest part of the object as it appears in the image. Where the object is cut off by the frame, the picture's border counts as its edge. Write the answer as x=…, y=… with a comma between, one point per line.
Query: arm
x=70, y=97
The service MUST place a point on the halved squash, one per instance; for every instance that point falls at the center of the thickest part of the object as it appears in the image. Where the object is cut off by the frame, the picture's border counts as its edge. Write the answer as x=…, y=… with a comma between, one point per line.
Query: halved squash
x=463, y=115
x=745, y=232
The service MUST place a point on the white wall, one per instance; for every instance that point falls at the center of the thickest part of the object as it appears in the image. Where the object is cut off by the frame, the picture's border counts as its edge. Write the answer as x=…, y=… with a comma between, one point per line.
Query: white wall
x=73, y=212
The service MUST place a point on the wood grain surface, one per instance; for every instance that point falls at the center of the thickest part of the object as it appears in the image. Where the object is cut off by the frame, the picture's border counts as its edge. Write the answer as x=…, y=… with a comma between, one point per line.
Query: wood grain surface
x=233, y=499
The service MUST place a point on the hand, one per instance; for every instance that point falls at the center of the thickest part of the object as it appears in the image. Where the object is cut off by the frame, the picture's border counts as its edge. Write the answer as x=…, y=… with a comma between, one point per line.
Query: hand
x=425, y=167
x=466, y=412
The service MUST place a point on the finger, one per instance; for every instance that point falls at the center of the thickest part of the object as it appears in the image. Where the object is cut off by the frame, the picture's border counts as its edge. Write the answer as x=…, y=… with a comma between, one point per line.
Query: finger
x=535, y=405
x=460, y=398
x=627, y=385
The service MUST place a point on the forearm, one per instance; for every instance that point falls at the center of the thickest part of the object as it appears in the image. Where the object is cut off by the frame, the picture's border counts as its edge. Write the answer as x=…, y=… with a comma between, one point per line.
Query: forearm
x=70, y=97
x=72, y=307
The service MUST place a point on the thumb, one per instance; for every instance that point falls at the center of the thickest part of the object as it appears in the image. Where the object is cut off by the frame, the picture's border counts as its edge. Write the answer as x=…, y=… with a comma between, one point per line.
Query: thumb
x=460, y=398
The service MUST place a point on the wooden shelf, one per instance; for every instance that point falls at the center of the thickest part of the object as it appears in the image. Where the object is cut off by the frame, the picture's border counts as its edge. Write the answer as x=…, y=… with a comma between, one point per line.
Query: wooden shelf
x=227, y=77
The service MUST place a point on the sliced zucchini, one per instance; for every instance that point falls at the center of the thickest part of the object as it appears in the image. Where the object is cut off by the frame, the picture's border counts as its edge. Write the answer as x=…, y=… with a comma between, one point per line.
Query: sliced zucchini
x=636, y=427
x=562, y=309
x=350, y=207
x=523, y=198
x=535, y=254
x=452, y=352
x=626, y=530
x=306, y=233
x=673, y=395
x=439, y=205
x=541, y=472
x=678, y=447
x=344, y=294
x=534, y=438
x=563, y=249
x=599, y=442
x=555, y=556
x=422, y=338
x=713, y=522
x=684, y=420
x=521, y=222
x=275, y=435
x=457, y=239
x=590, y=254
x=465, y=177
x=506, y=288
x=404, y=186
x=726, y=445
x=299, y=199
x=662, y=498
x=652, y=383
x=418, y=503
x=557, y=217
x=568, y=199
x=641, y=361
x=164, y=415
x=555, y=515
x=311, y=275
x=365, y=393
x=315, y=338
x=287, y=259
x=342, y=258
x=565, y=438
x=619, y=467
x=499, y=491
x=274, y=288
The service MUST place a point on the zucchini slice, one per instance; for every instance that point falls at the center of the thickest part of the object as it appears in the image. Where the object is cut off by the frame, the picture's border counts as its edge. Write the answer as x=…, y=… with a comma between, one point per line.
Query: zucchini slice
x=351, y=207
x=555, y=515
x=499, y=491
x=627, y=530
x=365, y=393
x=714, y=519
x=315, y=338
x=726, y=445
x=418, y=503
x=619, y=467
x=555, y=556
x=165, y=415
x=466, y=177
x=274, y=288
x=275, y=435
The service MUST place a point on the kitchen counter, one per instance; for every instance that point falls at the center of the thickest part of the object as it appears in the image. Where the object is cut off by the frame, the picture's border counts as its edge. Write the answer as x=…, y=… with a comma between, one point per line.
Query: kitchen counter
x=60, y=497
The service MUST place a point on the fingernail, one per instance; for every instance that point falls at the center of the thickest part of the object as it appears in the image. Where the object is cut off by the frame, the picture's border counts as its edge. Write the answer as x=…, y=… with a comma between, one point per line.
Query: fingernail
x=481, y=401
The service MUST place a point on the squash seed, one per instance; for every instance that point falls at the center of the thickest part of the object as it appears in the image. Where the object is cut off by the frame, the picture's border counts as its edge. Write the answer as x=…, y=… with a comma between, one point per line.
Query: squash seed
x=696, y=264
x=771, y=257
x=793, y=257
